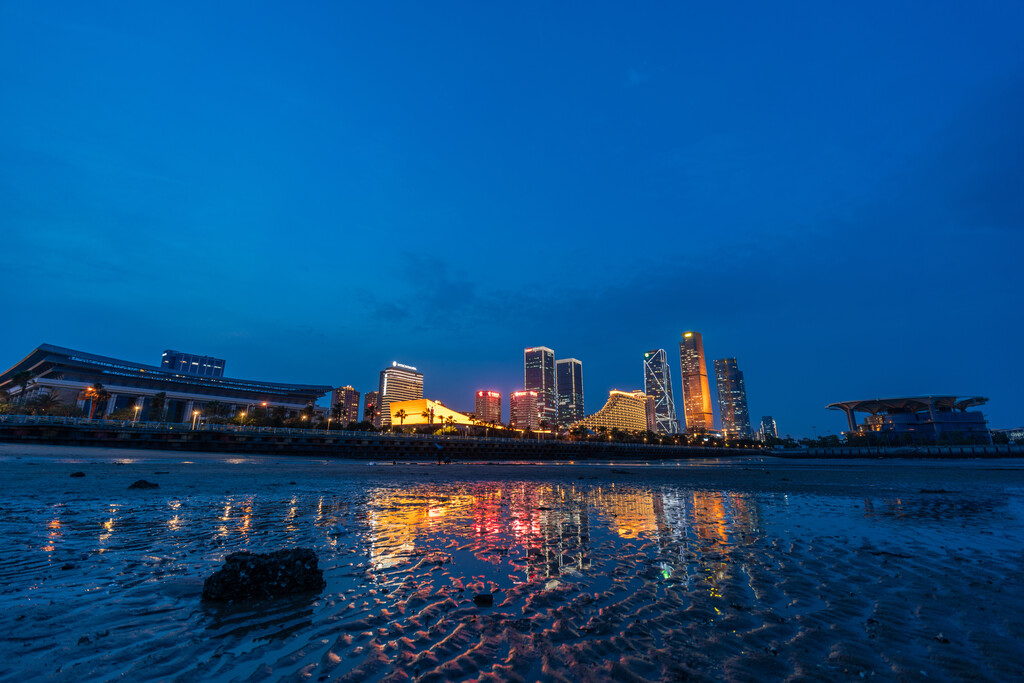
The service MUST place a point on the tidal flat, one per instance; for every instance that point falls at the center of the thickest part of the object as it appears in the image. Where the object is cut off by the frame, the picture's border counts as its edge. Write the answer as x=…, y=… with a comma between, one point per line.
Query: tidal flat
x=747, y=568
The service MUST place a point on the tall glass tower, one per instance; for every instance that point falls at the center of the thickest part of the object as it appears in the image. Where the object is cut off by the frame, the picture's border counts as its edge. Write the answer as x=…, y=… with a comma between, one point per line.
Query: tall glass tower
x=732, y=398
x=569, y=373
x=696, y=393
x=539, y=376
x=658, y=385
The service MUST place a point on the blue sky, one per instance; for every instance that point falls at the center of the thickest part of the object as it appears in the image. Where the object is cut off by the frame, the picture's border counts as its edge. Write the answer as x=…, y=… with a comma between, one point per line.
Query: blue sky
x=833, y=194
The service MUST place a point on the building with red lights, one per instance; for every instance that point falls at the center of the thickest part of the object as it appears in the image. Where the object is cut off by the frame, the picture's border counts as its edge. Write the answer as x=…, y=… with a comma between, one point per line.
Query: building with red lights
x=522, y=409
x=488, y=406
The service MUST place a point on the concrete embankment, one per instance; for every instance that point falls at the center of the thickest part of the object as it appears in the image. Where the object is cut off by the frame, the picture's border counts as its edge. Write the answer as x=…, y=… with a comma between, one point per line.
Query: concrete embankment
x=362, y=445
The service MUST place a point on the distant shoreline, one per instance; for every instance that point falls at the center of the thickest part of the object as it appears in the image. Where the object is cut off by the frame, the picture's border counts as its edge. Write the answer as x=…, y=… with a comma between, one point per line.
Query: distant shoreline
x=374, y=446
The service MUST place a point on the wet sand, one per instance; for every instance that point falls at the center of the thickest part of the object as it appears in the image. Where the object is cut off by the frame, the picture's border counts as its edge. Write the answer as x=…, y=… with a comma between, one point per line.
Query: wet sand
x=741, y=569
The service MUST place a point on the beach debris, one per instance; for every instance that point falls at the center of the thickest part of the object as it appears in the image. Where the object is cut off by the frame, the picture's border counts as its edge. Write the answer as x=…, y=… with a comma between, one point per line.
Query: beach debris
x=256, y=575
x=484, y=600
x=552, y=584
x=942, y=639
x=143, y=484
x=84, y=640
x=78, y=474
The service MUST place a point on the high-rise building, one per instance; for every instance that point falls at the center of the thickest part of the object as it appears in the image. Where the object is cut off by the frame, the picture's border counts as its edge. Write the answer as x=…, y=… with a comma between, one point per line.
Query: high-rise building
x=569, y=374
x=696, y=393
x=191, y=364
x=398, y=383
x=732, y=398
x=345, y=405
x=768, y=429
x=522, y=409
x=658, y=385
x=488, y=406
x=372, y=400
x=539, y=376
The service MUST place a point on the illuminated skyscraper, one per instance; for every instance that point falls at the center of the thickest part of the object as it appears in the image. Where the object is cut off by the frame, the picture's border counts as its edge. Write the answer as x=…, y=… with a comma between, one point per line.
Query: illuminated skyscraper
x=522, y=409
x=398, y=383
x=696, y=393
x=732, y=398
x=658, y=385
x=345, y=405
x=488, y=406
x=539, y=376
x=569, y=373
x=768, y=428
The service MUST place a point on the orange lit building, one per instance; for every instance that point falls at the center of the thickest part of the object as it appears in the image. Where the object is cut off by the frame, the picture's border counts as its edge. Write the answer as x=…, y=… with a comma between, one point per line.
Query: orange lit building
x=696, y=392
x=626, y=410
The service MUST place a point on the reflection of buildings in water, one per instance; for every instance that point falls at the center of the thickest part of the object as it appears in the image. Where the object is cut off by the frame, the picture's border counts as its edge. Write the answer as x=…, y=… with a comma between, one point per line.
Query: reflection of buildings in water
x=549, y=523
x=633, y=511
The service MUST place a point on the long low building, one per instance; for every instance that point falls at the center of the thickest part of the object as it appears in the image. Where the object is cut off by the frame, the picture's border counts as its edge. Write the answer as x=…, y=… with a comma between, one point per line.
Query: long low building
x=919, y=419
x=625, y=410
x=68, y=375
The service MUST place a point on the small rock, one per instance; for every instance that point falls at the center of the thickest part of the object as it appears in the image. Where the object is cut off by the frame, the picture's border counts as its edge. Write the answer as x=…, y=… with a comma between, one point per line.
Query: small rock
x=78, y=474
x=484, y=600
x=254, y=575
x=942, y=639
x=143, y=484
x=67, y=566
x=84, y=640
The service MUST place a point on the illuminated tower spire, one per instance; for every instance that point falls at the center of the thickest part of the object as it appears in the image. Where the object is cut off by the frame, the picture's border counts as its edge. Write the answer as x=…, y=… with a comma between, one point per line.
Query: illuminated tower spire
x=696, y=393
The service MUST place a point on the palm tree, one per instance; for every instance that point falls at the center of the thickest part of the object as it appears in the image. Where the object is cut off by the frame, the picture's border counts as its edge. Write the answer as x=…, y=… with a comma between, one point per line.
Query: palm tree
x=46, y=403
x=370, y=413
x=96, y=394
x=401, y=415
x=427, y=414
x=22, y=379
x=156, y=406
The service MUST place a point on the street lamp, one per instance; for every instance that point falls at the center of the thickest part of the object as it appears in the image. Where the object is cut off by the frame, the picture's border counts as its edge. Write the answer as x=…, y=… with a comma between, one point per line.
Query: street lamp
x=195, y=417
x=328, y=423
x=137, y=409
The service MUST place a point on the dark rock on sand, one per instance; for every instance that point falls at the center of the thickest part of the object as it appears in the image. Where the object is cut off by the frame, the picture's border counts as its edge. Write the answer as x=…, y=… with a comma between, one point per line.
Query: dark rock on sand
x=253, y=575
x=143, y=484
x=484, y=600
x=78, y=474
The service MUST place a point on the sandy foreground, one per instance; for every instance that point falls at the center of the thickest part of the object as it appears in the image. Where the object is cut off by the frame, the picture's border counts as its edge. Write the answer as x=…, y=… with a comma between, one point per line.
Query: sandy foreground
x=741, y=569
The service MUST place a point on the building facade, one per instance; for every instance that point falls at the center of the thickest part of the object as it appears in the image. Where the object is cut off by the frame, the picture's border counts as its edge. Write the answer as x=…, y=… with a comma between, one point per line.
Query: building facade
x=488, y=406
x=732, y=399
x=161, y=394
x=192, y=364
x=539, y=376
x=345, y=405
x=522, y=410
x=625, y=410
x=658, y=385
x=569, y=383
x=398, y=383
x=371, y=408
x=696, y=393
x=918, y=419
x=768, y=430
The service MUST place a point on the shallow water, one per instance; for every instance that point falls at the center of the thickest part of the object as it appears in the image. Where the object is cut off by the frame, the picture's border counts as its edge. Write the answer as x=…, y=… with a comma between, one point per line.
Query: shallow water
x=594, y=577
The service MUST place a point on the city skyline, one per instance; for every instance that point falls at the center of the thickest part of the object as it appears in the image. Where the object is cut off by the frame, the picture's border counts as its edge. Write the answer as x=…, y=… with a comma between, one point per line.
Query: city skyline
x=594, y=184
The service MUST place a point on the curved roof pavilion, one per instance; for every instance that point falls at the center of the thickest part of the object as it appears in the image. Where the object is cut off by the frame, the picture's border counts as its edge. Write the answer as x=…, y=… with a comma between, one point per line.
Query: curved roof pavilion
x=906, y=404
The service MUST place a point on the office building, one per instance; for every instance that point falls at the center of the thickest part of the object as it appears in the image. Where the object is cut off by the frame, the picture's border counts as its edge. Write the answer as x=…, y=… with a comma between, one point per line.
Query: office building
x=694, y=380
x=658, y=385
x=345, y=405
x=732, y=399
x=371, y=408
x=625, y=410
x=522, y=410
x=398, y=383
x=190, y=363
x=539, y=376
x=569, y=375
x=768, y=429
x=488, y=406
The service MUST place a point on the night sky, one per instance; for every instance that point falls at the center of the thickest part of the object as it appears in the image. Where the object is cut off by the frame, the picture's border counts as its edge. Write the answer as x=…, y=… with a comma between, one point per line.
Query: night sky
x=834, y=195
